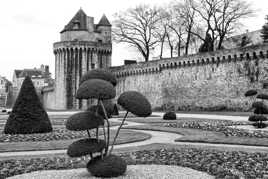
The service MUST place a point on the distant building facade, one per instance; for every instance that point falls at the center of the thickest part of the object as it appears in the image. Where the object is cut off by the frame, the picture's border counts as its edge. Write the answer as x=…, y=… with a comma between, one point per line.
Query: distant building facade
x=5, y=90
x=83, y=46
x=41, y=78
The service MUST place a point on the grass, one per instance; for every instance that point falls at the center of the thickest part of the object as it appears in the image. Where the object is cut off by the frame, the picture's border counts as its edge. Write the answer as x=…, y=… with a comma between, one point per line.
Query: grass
x=202, y=136
x=153, y=120
x=225, y=113
x=125, y=136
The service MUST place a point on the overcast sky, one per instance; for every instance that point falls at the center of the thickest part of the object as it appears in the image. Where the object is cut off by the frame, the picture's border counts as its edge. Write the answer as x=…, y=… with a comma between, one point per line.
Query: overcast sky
x=28, y=28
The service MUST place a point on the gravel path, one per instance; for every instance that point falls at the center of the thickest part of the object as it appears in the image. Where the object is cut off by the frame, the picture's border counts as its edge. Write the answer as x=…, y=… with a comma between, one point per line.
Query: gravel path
x=133, y=172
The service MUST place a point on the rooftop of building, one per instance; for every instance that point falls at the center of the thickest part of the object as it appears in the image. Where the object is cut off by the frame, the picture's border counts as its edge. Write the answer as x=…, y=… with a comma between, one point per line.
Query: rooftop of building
x=79, y=22
x=33, y=73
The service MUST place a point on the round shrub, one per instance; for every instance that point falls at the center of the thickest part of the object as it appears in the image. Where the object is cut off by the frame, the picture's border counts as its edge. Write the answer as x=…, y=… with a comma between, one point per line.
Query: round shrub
x=99, y=74
x=261, y=111
x=28, y=115
x=170, y=116
x=135, y=103
x=84, y=121
x=262, y=96
x=85, y=146
x=108, y=166
x=95, y=88
x=251, y=92
x=256, y=118
x=259, y=125
x=259, y=104
x=108, y=105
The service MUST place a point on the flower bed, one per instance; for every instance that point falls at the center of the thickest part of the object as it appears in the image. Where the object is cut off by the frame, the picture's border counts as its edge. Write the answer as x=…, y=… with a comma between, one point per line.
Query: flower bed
x=218, y=163
x=219, y=126
x=57, y=134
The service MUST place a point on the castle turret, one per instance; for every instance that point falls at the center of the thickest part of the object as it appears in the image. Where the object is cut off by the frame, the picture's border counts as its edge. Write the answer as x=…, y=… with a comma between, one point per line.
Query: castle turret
x=104, y=27
x=83, y=46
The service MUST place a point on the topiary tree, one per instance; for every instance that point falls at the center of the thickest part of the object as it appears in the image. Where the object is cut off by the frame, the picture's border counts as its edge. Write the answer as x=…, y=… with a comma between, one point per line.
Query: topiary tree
x=260, y=109
x=100, y=85
x=264, y=31
x=170, y=116
x=28, y=115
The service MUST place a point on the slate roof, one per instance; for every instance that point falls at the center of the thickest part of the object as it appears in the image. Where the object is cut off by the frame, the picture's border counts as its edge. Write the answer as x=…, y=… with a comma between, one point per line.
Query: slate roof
x=79, y=18
x=104, y=21
x=33, y=73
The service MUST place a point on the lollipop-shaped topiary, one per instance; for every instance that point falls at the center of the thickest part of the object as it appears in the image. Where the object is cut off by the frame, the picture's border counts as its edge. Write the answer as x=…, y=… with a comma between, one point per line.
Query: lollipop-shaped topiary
x=99, y=85
x=259, y=109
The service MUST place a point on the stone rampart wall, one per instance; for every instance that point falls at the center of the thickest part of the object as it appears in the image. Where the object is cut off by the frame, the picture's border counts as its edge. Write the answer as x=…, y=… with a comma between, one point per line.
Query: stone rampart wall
x=207, y=81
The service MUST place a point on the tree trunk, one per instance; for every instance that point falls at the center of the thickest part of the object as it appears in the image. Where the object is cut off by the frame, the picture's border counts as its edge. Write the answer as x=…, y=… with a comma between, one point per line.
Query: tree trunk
x=179, y=48
x=161, y=49
x=220, y=42
x=187, y=42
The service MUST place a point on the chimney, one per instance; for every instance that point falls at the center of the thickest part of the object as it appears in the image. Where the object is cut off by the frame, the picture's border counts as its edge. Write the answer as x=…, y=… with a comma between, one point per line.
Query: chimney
x=47, y=69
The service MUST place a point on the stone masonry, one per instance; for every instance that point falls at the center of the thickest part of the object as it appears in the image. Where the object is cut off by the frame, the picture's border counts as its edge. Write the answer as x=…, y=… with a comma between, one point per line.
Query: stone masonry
x=83, y=46
x=206, y=81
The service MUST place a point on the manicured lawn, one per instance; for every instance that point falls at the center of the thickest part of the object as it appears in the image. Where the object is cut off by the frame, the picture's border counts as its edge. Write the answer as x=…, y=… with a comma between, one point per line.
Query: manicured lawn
x=197, y=135
x=225, y=113
x=125, y=136
x=151, y=120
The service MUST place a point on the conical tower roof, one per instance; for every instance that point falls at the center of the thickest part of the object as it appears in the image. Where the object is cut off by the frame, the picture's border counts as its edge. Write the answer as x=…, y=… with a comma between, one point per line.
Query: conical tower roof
x=104, y=21
x=80, y=19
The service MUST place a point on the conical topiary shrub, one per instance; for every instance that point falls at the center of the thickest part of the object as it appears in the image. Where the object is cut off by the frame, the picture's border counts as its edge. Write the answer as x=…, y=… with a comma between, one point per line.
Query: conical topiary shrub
x=99, y=85
x=259, y=109
x=28, y=115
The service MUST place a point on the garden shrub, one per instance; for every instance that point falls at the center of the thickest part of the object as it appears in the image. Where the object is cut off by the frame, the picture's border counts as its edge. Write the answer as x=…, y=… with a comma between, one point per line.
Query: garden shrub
x=85, y=146
x=96, y=88
x=115, y=111
x=170, y=116
x=109, y=166
x=28, y=115
x=262, y=96
x=99, y=74
x=259, y=109
x=135, y=103
x=108, y=105
x=259, y=104
x=258, y=121
x=251, y=92
x=83, y=121
x=99, y=84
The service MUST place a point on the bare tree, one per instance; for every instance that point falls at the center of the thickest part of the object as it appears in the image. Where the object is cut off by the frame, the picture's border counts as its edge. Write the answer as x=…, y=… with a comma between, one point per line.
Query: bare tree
x=162, y=27
x=219, y=17
x=227, y=16
x=184, y=15
x=177, y=25
x=138, y=27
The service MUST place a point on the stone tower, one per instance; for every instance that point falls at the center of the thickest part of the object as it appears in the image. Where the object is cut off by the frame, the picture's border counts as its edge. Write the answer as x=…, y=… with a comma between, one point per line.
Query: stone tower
x=83, y=46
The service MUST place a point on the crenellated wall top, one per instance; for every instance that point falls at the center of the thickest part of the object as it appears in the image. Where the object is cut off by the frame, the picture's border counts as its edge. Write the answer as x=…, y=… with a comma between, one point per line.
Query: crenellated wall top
x=220, y=56
x=84, y=45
